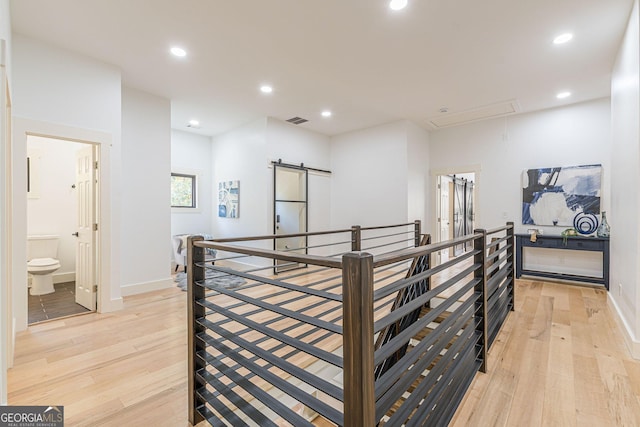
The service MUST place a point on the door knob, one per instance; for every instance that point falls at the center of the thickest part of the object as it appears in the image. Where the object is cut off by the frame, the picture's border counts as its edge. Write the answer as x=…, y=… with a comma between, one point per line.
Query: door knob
x=75, y=234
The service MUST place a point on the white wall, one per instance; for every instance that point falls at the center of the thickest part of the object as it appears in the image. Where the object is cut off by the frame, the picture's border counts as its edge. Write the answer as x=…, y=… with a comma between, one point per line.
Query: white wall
x=245, y=154
x=295, y=145
x=64, y=94
x=241, y=155
x=381, y=176
x=503, y=148
x=625, y=181
x=55, y=208
x=146, y=207
x=191, y=154
x=418, y=177
x=369, y=183
x=5, y=33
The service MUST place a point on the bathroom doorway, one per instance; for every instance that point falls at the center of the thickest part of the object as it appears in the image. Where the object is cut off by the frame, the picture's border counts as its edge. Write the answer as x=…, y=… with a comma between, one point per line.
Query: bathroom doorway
x=61, y=205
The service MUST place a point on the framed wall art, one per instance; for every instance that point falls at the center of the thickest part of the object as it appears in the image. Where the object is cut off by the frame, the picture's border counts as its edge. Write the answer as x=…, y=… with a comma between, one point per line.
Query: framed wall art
x=228, y=199
x=554, y=196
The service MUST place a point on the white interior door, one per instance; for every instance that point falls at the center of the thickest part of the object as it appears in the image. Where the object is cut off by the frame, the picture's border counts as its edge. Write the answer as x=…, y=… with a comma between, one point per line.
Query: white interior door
x=85, y=246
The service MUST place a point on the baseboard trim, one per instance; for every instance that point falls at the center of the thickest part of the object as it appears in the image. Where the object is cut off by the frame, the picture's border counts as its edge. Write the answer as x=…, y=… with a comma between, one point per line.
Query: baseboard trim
x=12, y=349
x=632, y=343
x=141, y=288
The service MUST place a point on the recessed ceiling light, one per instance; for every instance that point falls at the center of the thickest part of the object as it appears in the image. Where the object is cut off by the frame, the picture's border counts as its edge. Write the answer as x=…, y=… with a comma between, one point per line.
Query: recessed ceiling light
x=326, y=113
x=563, y=95
x=194, y=122
x=266, y=89
x=397, y=4
x=178, y=51
x=563, y=38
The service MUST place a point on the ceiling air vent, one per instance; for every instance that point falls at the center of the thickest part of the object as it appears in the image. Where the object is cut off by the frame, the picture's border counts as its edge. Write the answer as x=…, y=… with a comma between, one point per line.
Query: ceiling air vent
x=492, y=111
x=297, y=120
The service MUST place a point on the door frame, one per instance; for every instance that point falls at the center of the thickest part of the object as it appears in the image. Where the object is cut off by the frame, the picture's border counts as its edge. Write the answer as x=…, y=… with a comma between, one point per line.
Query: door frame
x=277, y=165
x=435, y=195
x=109, y=294
x=94, y=202
x=6, y=312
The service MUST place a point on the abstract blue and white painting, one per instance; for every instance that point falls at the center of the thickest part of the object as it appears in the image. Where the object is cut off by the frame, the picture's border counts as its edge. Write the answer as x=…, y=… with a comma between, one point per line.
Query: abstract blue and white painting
x=228, y=198
x=553, y=196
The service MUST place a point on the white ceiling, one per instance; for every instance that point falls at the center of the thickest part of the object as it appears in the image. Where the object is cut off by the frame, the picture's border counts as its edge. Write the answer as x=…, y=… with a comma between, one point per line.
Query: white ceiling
x=366, y=63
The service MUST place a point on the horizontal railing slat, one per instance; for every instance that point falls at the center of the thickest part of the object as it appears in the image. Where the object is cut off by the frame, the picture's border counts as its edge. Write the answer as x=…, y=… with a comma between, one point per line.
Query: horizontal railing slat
x=282, y=337
x=262, y=396
x=493, y=282
x=232, y=397
x=320, y=407
x=498, y=252
x=497, y=242
x=406, y=254
x=213, y=419
x=431, y=380
x=277, y=309
x=438, y=386
x=272, y=254
x=401, y=338
x=415, y=303
x=254, y=330
x=403, y=283
x=278, y=362
x=397, y=380
x=279, y=283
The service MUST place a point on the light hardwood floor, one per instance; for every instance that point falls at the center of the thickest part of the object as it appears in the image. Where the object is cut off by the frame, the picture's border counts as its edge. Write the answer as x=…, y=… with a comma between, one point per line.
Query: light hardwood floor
x=559, y=360
x=127, y=368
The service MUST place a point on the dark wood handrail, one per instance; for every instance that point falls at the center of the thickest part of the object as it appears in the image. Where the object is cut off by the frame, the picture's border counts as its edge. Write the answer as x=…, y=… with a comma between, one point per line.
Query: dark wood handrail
x=381, y=227
x=271, y=254
x=499, y=229
x=410, y=253
x=278, y=236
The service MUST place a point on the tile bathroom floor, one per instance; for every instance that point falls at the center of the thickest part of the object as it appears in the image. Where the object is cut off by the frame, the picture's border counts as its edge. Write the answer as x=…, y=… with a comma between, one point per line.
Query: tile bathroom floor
x=60, y=303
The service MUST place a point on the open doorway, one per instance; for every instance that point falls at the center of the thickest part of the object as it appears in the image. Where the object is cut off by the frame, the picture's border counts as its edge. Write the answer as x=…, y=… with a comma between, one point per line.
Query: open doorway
x=61, y=228
x=290, y=211
x=455, y=210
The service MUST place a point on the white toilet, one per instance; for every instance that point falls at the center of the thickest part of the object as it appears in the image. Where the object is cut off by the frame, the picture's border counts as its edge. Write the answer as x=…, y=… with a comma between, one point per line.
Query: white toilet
x=42, y=263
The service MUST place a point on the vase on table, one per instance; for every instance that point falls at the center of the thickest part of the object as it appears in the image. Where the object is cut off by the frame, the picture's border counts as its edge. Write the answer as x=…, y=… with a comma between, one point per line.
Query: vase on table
x=604, y=230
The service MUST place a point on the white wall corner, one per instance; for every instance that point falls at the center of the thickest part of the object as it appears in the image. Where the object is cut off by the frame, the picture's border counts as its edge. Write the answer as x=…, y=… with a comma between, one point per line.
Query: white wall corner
x=140, y=288
x=632, y=342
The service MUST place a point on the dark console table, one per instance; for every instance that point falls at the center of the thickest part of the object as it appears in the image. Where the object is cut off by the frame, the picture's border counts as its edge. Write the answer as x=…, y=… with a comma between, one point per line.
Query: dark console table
x=594, y=244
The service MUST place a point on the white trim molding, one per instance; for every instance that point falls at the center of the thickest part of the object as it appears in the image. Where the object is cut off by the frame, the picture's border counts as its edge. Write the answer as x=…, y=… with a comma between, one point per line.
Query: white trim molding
x=141, y=288
x=108, y=298
x=632, y=342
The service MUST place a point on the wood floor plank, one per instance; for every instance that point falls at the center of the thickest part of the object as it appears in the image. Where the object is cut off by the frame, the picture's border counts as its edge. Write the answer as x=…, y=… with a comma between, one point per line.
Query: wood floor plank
x=558, y=360
x=571, y=365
